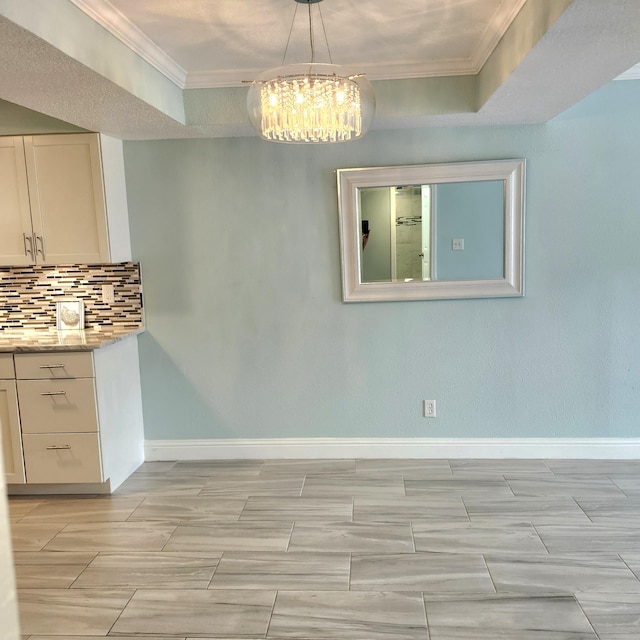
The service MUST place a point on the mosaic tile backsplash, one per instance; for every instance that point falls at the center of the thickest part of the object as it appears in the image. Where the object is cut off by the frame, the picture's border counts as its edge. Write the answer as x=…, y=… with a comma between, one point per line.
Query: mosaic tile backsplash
x=28, y=295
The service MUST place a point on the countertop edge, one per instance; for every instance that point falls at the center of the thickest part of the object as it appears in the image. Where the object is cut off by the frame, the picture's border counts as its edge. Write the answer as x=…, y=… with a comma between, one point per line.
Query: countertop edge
x=91, y=342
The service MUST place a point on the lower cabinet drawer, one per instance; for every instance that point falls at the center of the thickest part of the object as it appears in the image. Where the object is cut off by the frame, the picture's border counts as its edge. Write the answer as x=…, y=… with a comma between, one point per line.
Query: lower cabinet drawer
x=57, y=405
x=71, y=364
x=62, y=457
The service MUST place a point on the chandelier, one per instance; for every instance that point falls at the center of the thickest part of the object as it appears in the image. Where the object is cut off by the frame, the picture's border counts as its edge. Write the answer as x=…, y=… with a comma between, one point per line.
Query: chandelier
x=310, y=102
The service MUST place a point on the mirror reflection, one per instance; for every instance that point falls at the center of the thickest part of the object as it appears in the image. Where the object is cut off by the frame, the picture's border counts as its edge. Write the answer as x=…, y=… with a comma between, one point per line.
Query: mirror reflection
x=429, y=232
x=432, y=231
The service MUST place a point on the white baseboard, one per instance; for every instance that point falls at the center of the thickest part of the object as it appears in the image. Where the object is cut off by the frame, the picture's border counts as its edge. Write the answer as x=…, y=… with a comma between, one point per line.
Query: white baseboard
x=318, y=448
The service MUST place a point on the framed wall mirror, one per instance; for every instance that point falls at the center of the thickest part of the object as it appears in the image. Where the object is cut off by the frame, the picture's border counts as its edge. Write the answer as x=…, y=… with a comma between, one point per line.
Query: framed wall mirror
x=428, y=232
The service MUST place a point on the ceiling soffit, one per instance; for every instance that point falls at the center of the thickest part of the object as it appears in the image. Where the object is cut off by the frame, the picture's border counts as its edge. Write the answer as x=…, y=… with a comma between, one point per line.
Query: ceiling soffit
x=60, y=62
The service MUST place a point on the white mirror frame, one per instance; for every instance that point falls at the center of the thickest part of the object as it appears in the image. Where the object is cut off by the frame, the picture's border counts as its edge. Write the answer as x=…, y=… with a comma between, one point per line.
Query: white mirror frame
x=351, y=180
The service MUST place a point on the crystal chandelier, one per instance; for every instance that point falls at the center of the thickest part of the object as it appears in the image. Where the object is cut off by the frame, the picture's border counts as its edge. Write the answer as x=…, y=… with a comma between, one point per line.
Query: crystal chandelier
x=310, y=102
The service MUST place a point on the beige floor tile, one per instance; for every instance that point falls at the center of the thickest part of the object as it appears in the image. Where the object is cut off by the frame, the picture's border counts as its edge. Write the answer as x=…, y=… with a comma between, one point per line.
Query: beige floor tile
x=236, y=613
x=425, y=572
x=545, y=510
x=564, y=485
x=242, y=536
x=89, y=509
x=153, y=570
x=306, y=467
x=159, y=466
x=594, y=467
x=59, y=576
x=363, y=537
x=70, y=612
x=454, y=537
x=457, y=486
x=52, y=558
x=33, y=537
x=188, y=509
x=613, y=615
x=283, y=570
x=47, y=569
x=502, y=467
x=212, y=468
x=603, y=510
x=352, y=485
x=254, y=486
x=156, y=484
x=415, y=468
x=348, y=616
x=586, y=573
x=411, y=508
x=613, y=537
x=20, y=507
x=265, y=508
x=111, y=536
x=501, y=617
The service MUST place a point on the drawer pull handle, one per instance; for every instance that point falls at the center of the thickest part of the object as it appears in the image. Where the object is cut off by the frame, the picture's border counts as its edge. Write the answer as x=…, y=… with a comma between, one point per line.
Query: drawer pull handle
x=53, y=393
x=52, y=366
x=66, y=447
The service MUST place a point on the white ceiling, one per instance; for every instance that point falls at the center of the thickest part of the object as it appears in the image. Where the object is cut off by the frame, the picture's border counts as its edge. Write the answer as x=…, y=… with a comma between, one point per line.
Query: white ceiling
x=186, y=60
x=207, y=43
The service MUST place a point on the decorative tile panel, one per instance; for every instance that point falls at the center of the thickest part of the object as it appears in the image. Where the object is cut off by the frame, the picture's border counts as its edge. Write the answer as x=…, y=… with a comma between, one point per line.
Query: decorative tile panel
x=28, y=295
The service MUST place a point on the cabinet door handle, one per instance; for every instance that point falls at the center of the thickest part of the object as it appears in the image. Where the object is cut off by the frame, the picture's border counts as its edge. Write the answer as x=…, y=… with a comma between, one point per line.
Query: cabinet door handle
x=28, y=250
x=52, y=366
x=42, y=248
x=66, y=447
x=53, y=393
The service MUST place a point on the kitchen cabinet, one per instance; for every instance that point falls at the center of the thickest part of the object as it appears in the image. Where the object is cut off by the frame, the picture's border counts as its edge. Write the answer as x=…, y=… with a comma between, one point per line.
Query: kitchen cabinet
x=52, y=200
x=16, y=233
x=58, y=414
x=10, y=422
x=80, y=419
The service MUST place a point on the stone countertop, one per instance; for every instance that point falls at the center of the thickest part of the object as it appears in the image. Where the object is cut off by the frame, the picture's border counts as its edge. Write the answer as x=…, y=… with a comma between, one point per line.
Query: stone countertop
x=22, y=341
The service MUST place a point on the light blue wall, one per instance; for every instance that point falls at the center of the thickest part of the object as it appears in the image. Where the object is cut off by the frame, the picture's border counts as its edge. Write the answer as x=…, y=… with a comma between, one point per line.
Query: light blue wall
x=248, y=338
x=472, y=212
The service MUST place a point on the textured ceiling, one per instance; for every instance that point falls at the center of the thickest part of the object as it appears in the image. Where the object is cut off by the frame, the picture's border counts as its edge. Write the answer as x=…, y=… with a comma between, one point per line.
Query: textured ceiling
x=139, y=69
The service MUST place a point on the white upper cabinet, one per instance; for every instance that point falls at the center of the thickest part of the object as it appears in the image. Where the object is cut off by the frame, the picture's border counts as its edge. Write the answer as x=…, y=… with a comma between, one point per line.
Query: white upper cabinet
x=16, y=236
x=63, y=218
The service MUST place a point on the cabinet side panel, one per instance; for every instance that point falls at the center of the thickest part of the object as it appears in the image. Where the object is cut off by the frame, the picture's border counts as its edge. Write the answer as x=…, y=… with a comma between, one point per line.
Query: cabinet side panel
x=119, y=409
x=115, y=192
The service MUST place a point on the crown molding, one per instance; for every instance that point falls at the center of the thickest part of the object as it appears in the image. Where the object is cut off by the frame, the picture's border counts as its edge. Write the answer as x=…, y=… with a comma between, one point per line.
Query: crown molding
x=391, y=71
x=108, y=17
x=497, y=27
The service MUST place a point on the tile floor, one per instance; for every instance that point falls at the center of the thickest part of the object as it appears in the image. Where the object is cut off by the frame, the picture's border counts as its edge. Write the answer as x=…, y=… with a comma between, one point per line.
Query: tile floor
x=340, y=550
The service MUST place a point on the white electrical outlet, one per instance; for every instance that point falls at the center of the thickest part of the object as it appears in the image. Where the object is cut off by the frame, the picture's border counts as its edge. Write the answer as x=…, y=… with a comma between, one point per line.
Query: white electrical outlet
x=107, y=293
x=429, y=408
